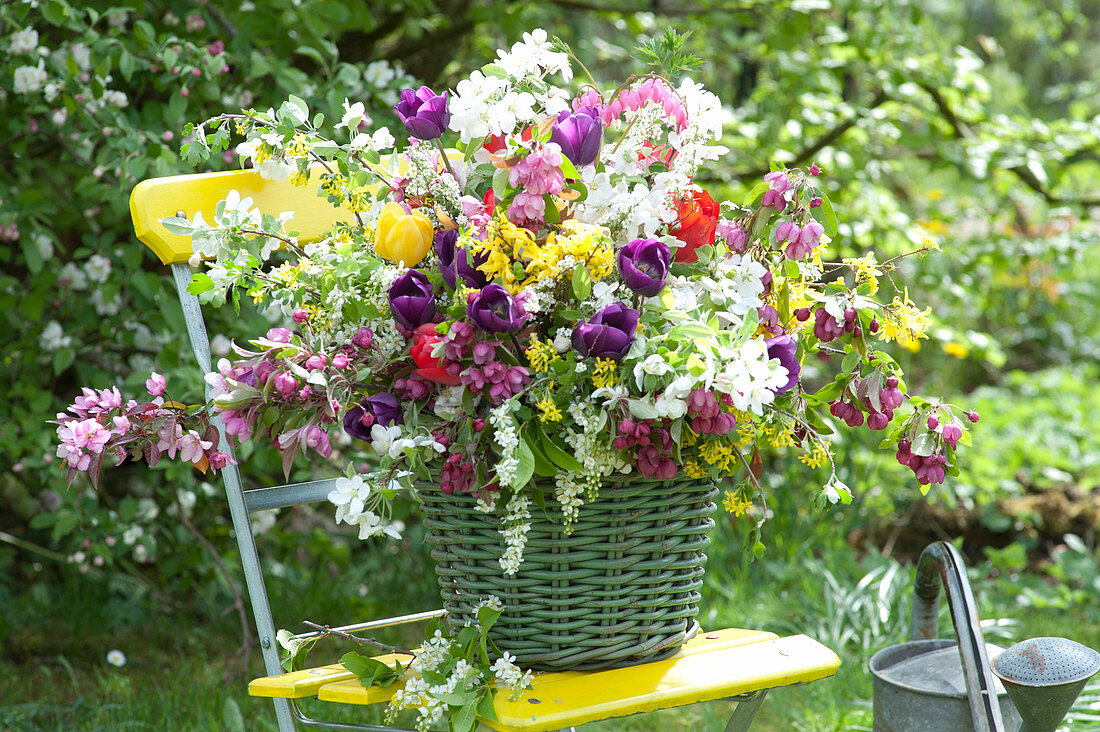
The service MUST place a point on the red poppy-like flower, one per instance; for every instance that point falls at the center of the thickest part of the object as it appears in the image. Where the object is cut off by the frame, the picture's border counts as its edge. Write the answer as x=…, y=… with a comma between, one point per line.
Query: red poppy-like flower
x=697, y=219
x=428, y=366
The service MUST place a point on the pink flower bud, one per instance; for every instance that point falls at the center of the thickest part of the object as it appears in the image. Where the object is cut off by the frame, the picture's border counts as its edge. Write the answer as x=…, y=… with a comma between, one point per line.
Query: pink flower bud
x=155, y=384
x=340, y=361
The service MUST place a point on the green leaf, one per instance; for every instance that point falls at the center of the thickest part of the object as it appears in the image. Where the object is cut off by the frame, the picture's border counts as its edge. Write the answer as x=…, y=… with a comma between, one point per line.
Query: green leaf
x=55, y=12
x=485, y=708
x=543, y=467
x=825, y=214
x=552, y=214
x=559, y=455
x=642, y=409
x=62, y=359
x=850, y=362
x=500, y=185
x=755, y=194
x=693, y=329
x=371, y=672
x=144, y=33
x=465, y=718
x=582, y=282
x=526, y=467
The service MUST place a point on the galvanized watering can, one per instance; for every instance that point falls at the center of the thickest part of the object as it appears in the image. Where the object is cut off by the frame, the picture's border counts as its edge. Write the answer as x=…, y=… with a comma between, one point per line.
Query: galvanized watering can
x=933, y=684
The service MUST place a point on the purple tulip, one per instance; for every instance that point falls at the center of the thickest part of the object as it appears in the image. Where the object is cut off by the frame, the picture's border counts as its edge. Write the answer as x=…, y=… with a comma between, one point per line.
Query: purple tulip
x=412, y=299
x=579, y=135
x=455, y=261
x=643, y=265
x=383, y=409
x=495, y=311
x=784, y=348
x=423, y=112
x=607, y=334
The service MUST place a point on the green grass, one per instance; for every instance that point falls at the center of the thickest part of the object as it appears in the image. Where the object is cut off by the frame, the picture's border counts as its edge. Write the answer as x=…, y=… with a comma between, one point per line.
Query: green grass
x=54, y=674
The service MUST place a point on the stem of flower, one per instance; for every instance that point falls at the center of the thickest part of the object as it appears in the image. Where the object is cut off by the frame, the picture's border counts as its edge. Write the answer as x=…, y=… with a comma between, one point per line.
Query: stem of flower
x=326, y=631
x=446, y=160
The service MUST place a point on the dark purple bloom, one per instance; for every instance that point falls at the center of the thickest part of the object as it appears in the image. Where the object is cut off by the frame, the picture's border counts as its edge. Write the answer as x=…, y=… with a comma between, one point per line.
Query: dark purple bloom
x=784, y=348
x=643, y=265
x=383, y=409
x=579, y=135
x=423, y=112
x=412, y=299
x=455, y=262
x=607, y=334
x=495, y=311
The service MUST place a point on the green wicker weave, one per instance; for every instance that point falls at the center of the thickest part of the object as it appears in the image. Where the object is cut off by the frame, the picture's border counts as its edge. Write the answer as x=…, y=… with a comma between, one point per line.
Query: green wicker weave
x=622, y=589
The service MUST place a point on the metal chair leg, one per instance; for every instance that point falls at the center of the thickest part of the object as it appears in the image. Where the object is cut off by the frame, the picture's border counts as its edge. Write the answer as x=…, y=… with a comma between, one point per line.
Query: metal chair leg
x=747, y=707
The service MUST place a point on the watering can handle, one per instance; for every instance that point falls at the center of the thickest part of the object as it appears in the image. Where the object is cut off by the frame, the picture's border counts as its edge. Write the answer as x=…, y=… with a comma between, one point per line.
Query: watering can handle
x=940, y=563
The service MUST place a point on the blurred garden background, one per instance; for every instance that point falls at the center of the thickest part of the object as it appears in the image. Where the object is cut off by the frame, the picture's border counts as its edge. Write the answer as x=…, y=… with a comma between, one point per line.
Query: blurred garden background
x=972, y=124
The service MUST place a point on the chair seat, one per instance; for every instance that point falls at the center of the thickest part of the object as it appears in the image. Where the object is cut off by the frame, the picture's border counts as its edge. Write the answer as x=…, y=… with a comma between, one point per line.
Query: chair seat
x=711, y=666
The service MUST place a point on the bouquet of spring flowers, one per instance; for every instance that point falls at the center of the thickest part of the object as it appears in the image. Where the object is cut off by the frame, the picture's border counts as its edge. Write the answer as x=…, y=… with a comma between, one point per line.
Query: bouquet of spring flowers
x=533, y=292
x=533, y=285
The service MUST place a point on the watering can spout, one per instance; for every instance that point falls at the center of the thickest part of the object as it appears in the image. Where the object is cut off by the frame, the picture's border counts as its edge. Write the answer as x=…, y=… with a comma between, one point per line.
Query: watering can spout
x=941, y=563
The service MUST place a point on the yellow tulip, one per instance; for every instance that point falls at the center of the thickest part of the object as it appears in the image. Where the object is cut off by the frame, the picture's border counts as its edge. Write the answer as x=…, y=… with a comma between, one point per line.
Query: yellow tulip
x=403, y=237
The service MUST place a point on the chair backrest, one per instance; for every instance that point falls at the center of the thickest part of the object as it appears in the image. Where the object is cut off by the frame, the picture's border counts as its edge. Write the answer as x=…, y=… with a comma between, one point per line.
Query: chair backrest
x=185, y=195
x=160, y=198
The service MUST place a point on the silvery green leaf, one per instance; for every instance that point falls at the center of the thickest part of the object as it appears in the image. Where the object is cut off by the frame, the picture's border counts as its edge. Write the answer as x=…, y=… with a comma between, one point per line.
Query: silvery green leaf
x=642, y=409
x=923, y=445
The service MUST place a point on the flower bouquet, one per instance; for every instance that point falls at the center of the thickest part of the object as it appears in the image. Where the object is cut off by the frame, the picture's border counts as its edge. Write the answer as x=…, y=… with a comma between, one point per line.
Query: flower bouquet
x=550, y=333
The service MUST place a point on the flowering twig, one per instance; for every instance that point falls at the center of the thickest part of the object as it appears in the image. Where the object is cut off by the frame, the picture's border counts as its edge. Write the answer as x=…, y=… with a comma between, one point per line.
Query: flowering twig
x=327, y=631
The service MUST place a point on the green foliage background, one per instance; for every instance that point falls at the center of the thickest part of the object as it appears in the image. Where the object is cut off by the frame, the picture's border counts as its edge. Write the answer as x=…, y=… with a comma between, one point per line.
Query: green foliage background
x=972, y=123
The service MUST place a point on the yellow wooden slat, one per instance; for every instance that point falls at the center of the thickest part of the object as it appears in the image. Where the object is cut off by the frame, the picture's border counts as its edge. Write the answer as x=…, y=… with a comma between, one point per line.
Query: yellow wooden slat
x=299, y=684
x=711, y=666
x=348, y=690
x=716, y=674
x=160, y=198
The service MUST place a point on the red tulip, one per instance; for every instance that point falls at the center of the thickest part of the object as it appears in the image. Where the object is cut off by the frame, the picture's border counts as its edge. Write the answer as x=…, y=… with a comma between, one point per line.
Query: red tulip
x=697, y=220
x=428, y=366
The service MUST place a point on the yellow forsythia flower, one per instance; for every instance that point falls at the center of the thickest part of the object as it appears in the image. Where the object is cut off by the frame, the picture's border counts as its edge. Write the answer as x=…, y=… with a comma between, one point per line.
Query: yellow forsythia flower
x=548, y=411
x=902, y=322
x=605, y=373
x=735, y=504
x=403, y=237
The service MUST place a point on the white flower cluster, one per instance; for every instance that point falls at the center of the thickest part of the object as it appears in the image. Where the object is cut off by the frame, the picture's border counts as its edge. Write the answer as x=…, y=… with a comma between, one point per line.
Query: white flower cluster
x=568, y=493
x=514, y=526
x=510, y=676
x=488, y=105
x=388, y=441
x=417, y=693
x=751, y=377
x=705, y=118
x=53, y=338
x=380, y=139
x=736, y=286
x=506, y=436
x=354, y=498
x=426, y=180
x=627, y=212
x=533, y=56
x=29, y=79
x=24, y=41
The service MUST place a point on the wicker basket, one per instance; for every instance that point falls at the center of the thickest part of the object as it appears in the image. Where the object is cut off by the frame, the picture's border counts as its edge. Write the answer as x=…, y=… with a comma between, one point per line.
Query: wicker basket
x=622, y=589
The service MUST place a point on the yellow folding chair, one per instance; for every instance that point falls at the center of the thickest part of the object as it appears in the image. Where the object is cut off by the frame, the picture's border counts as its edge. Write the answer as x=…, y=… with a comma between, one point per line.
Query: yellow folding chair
x=732, y=663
